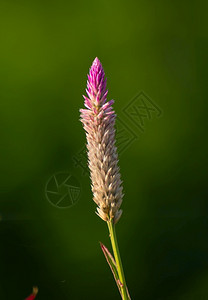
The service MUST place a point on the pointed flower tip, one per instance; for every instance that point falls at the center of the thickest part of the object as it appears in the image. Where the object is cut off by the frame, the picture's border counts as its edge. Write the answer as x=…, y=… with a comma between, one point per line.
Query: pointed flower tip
x=96, y=65
x=96, y=61
x=96, y=84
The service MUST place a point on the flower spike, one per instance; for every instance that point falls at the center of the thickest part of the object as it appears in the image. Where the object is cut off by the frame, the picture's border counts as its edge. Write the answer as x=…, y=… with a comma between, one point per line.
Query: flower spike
x=98, y=121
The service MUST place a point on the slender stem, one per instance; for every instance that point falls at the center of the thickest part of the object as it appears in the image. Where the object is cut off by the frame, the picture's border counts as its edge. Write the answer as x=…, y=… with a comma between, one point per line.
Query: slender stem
x=117, y=256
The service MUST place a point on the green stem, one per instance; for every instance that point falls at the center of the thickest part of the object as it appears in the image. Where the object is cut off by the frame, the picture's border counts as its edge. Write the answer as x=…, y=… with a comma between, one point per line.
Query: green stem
x=117, y=257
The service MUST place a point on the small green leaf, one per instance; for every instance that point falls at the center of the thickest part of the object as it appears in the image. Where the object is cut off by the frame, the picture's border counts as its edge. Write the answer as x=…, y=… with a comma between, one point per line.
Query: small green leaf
x=112, y=264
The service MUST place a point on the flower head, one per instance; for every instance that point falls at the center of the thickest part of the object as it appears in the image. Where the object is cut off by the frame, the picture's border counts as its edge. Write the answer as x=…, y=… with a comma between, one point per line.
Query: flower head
x=98, y=120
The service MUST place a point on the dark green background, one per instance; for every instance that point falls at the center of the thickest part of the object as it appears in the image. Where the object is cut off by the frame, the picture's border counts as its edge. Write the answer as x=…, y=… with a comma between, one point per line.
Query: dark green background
x=46, y=49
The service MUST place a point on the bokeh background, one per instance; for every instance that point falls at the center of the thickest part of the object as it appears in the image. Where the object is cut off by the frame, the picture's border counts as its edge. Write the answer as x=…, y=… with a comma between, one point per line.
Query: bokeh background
x=46, y=49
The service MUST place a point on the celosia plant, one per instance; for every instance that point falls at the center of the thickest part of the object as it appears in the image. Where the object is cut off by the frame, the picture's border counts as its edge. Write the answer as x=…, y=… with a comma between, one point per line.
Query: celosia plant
x=98, y=121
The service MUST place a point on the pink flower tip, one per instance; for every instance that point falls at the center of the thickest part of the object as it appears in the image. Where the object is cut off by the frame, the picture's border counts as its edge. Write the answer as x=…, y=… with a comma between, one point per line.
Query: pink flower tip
x=96, y=85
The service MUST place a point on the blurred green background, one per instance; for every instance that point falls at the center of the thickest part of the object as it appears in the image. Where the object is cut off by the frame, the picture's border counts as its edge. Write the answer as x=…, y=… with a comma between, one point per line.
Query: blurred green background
x=46, y=49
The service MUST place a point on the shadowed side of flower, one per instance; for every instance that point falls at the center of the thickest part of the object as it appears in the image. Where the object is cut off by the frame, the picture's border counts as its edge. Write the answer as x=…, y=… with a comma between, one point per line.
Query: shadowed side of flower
x=98, y=121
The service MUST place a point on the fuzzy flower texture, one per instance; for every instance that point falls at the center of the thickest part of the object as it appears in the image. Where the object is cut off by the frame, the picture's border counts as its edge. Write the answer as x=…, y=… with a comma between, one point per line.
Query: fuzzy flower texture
x=98, y=121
